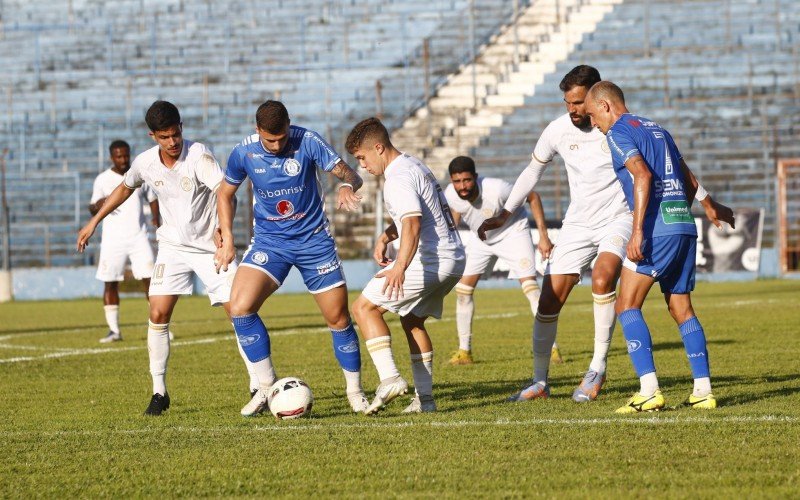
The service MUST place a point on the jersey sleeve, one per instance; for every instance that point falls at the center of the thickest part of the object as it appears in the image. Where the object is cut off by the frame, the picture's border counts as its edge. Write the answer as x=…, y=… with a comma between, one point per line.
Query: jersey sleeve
x=235, y=172
x=133, y=177
x=322, y=153
x=622, y=145
x=504, y=191
x=546, y=148
x=403, y=199
x=208, y=171
x=97, y=190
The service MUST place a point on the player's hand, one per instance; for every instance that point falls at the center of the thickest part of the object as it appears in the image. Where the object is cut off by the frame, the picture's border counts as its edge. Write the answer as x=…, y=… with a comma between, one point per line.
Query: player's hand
x=545, y=246
x=347, y=199
x=84, y=234
x=493, y=223
x=224, y=256
x=634, y=249
x=718, y=213
x=393, y=286
x=379, y=253
x=217, y=237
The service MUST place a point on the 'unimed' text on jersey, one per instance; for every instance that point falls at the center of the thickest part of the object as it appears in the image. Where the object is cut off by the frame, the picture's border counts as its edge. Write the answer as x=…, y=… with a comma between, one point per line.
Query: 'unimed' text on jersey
x=286, y=187
x=668, y=211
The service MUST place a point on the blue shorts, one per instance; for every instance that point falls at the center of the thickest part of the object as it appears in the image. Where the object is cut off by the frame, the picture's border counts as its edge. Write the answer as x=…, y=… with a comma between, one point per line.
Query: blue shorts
x=670, y=260
x=316, y=259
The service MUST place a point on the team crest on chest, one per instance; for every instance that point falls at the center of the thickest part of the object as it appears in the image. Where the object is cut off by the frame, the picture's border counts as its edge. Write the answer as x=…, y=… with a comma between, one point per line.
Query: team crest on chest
x=186, y=184
x=487, y=212
x=291, y=167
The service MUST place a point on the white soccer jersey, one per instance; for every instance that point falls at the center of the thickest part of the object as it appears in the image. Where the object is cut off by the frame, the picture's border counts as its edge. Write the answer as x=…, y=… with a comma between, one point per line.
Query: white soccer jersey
x=411, y=190
x=596, y=195
x=492, y=195
x=186, y=193
x=126, y=223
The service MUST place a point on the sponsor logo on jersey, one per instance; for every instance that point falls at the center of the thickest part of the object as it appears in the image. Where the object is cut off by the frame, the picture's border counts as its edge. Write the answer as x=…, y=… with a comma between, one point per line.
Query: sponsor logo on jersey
x=634, y=122
x=260, y=258
x=260, y=170
x=247, y=340
x=186, y=184
x=328, y=267
x=291, y=167
x=284, y=207
x=349, y=347
x=158, y=183
x=255, y=155
x=266, y=193
x=634, y=345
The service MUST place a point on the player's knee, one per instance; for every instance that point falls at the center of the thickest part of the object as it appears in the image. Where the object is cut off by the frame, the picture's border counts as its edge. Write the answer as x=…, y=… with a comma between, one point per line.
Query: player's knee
x=680, y=312
x=159, y=316
x=360, y=308
x=602, y=284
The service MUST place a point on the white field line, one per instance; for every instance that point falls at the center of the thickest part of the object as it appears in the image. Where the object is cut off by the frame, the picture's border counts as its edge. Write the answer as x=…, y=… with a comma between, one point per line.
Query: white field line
x=62, y=352
x=301, y=426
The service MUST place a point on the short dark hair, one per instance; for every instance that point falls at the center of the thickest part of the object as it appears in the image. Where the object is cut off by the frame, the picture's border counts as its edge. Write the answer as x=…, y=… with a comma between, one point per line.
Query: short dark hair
x=272, y=117
x=580, y=76
x=119, y=143
x=462, y=164
x=371, y=129
x=162, y=115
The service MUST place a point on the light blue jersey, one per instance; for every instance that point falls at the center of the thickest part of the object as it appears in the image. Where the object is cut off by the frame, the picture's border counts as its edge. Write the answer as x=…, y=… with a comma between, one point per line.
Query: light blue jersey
x=287, y=191
x=668, y=210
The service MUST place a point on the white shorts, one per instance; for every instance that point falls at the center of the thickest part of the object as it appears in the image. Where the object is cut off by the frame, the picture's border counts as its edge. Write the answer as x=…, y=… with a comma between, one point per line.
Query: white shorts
x=515, y=249
x=577, y=246
x=423, y=291
x=174, y=270
x=114, y=256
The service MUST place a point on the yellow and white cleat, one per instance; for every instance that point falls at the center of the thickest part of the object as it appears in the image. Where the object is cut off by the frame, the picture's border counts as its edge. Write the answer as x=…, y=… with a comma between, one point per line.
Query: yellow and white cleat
x=461, y=357
x=638, y=403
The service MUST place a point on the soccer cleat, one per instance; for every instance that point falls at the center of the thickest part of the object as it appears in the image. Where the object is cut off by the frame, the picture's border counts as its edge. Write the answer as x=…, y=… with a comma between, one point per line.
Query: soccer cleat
x=111, y=337
x=358, y=401
x=421, y=404
x=258, y=404
x=461, y=357
x=158, y=405
x=638, y=403
x=538, y=390
x=555, y=356
x=253, y=393
x=707, y=402
x=589, y=387
x=387, y=390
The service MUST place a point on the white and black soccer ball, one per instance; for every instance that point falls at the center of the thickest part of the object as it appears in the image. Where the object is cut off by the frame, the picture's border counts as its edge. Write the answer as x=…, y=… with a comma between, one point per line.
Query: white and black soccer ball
x=290, y=398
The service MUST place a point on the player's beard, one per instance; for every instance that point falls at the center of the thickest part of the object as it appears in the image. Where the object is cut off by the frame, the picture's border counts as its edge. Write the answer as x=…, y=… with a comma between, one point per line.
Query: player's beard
x=471, y=195
x=584, y=124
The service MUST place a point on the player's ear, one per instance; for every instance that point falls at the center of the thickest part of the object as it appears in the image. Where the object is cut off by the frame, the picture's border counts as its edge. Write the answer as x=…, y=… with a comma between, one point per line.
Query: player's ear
x=152, y=135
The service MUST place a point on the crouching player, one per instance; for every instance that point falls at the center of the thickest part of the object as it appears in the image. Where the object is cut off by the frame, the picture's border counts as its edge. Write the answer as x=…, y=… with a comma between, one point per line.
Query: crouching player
x=428, y=264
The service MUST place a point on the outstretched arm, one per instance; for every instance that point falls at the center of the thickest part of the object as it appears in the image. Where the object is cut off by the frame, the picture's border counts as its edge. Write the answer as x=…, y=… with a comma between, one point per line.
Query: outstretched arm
x=226, y=196
x=522, y=188
x=117, y=197
x=545, y=245
x=351, y=182
x=715, y=212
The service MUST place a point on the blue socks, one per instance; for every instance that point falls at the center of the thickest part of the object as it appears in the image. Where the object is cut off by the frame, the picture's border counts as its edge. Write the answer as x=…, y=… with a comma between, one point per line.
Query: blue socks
x=640, y=345
x=694, y=341
x=346, y=348
x=253, y=336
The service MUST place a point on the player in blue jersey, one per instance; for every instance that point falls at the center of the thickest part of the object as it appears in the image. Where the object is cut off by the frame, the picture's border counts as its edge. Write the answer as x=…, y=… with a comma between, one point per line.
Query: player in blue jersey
x=291, y=229
x=659, y=188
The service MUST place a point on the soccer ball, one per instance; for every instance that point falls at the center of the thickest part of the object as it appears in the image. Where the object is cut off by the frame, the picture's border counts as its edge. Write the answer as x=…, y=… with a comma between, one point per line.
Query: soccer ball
x=290, y=398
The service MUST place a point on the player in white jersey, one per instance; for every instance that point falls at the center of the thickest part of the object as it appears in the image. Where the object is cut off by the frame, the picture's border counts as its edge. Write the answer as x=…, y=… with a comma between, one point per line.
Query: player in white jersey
x=597, y=224
x=429, y=263
x=473, y=198
x=185, y=176
x=124, y=235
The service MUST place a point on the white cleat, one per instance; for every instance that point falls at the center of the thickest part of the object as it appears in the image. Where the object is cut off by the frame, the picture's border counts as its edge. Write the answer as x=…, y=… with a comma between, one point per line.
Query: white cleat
x=386, y=392
x=358, y=401
x=258, y=405
x=421, y=404
x=111, y=337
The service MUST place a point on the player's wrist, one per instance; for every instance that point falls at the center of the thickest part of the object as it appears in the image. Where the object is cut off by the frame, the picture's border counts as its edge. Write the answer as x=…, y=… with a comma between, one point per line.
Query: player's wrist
x=345, y=185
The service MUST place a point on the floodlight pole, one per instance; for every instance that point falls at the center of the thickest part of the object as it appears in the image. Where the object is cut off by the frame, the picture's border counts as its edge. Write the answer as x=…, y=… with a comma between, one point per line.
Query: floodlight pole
x=6, y=288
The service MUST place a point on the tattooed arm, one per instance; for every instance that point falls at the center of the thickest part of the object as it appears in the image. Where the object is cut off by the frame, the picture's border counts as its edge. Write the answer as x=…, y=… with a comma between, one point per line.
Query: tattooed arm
x=351, y=182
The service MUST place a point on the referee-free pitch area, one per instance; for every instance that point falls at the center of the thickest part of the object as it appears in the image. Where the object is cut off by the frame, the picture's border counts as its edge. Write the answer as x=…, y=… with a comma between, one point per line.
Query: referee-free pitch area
x=71, y=419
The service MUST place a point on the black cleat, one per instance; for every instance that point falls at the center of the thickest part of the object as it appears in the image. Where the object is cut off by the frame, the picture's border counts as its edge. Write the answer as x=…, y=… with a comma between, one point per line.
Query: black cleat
x=158, y=404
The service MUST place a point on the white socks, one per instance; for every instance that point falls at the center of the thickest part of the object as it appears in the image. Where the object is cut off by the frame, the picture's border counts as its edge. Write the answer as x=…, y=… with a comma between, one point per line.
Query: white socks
x=649, y=383
x=380, y=350
x=544, y=335
x=158, y=349
x=353, y=381
x=112, y=317
x=604, y=321
x=265, y=372
x=465, y=309
x=251, y=370
x=531, y=290
x=422, y=368
x=702, y=387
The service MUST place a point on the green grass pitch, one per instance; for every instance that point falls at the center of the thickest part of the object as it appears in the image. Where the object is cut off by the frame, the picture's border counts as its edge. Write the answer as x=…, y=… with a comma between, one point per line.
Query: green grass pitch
x=71, y=419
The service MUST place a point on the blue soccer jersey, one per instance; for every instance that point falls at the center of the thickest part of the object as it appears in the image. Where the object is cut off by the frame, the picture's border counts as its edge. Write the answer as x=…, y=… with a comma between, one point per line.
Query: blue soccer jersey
x=288, y=196
x=668, y=210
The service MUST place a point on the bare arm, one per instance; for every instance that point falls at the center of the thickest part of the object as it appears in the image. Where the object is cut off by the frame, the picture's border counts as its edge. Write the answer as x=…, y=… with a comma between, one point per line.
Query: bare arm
x=155, y=212
x=409, y=241
x=456, y=217
x=642, y=178
x=117, y=197
x=545, y=245
x=715, y=212
x=226, y=196
x=95, y=207
x=351, y=182
x=386, y=237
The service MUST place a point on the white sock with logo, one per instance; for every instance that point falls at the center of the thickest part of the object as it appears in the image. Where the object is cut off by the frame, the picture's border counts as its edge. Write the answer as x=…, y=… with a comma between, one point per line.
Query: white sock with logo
x=158, y=350
x=380, y=350
x=112, y=317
